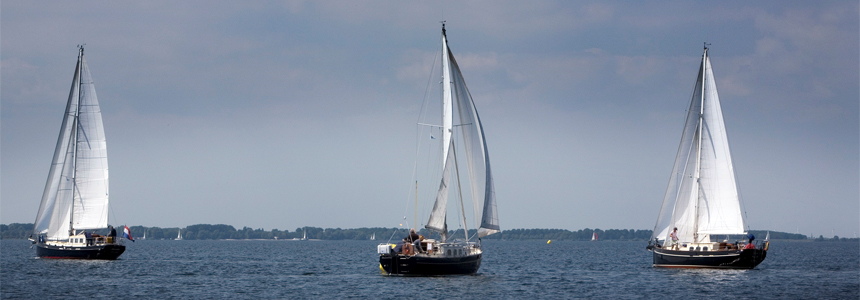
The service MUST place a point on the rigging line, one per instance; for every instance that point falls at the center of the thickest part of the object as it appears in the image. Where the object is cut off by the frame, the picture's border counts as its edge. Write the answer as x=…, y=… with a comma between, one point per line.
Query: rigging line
x=392, y=235
x=418, y=136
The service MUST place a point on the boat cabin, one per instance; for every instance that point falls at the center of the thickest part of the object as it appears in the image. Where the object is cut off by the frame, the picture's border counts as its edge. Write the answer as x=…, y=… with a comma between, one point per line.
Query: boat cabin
x=81, y=240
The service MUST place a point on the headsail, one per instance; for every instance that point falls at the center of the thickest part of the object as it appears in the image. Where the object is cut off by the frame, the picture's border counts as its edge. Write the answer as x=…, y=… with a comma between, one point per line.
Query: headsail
x=437, y=221
x=702, y=198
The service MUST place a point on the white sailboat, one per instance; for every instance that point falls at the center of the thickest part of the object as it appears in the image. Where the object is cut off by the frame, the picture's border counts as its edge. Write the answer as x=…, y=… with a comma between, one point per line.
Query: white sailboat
x=75, y=198
x=702, y=197
x=373, y=236
x=447, y=256
x=594, y=236
x=178, y=235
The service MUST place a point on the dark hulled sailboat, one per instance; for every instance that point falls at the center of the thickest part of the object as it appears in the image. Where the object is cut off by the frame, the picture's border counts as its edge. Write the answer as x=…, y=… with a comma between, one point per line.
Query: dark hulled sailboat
x=445, y=256
x=75, y=198
x=702, y=201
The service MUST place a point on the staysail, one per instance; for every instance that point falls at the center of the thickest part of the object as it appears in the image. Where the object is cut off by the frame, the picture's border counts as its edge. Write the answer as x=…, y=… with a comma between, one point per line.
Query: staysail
x=76, y=193
x=702, y=197
x=477, y=158
x=438, y=220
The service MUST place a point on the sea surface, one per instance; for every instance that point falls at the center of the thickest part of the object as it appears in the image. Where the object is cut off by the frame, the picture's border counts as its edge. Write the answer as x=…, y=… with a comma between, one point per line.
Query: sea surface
x=163, y=269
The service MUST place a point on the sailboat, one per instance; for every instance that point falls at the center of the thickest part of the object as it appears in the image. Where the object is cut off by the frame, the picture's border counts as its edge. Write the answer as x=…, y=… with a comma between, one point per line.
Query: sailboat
x=304, y=234
x=75, y=198
x=702, y=196
x=594, y=236
x=446, y=255
x=373, y=236
x=179, y=235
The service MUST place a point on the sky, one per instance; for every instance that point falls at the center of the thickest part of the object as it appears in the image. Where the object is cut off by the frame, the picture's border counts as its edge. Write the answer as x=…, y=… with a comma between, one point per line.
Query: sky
x=282, y=114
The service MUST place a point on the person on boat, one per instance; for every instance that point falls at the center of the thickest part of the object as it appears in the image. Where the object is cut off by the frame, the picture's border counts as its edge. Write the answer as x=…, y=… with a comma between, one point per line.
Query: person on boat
x=89, y=237
x=409, y=240
x=750, y=244
x=674, y=237
x=399, y=247
x=112, y=235
x=417, y=245
x=412, y=237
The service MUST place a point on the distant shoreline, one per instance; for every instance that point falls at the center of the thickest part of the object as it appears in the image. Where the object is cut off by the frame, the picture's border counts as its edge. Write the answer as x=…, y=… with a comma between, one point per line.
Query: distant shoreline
x=228, y=232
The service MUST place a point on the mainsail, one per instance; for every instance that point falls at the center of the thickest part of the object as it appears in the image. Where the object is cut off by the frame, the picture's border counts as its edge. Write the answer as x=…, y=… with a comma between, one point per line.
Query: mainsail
x=76, y=193
x=702, y=197
x=477, y=158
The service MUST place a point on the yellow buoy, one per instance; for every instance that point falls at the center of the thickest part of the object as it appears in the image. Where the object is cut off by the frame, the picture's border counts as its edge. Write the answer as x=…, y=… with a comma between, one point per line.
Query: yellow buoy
x=548, y=241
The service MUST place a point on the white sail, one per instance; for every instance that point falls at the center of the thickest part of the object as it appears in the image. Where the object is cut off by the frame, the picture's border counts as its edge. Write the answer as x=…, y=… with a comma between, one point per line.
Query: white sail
x=702, y=198
x=437, y=221
x=76, y=192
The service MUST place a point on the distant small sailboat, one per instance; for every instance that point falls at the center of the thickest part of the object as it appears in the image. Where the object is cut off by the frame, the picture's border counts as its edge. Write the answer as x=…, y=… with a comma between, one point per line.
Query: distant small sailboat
x=75, y=198
x=373, y=236
x=304, y=234
x=446, y=256
x=594, y=236
x=702, y=197
x=179, y=235
x=144, y=235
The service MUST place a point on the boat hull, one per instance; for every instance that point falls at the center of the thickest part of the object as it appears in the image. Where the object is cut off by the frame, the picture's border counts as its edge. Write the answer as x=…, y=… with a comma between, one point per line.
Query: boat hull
x=732, y=259
x=108, y=252
x=429, y=264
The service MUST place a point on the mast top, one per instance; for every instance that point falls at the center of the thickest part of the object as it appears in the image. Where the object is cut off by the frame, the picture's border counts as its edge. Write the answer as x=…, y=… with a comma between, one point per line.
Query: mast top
x=81, y=49
x=443, y=27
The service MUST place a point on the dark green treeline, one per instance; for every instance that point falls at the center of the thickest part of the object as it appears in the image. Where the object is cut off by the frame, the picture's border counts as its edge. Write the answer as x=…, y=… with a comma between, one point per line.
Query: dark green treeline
x=224, y=232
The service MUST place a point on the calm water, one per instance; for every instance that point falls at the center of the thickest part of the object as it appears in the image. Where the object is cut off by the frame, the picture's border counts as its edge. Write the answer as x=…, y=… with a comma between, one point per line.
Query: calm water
x=349, y=269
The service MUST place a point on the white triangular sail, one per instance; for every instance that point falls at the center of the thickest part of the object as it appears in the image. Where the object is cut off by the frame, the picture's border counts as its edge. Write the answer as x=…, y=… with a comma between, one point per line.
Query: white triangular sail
x=702, y=197
x=437, y=221
x=76, y=192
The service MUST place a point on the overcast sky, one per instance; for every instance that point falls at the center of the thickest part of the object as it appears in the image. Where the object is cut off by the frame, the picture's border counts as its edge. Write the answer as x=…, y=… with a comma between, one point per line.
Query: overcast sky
x=288, y=114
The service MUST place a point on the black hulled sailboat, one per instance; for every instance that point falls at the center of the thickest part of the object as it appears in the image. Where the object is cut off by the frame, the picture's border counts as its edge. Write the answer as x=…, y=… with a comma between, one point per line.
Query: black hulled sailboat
x=75, y=198
x=701, y=201
x=446, y=256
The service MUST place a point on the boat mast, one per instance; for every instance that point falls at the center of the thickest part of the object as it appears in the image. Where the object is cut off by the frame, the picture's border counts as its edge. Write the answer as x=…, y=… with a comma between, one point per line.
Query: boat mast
x=74, y=141
x=447, y=111
x=415, y=225
x=699, y=148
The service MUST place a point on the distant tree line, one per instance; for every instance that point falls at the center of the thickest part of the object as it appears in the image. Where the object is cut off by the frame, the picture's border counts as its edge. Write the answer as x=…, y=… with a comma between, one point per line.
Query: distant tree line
x=224, y=232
